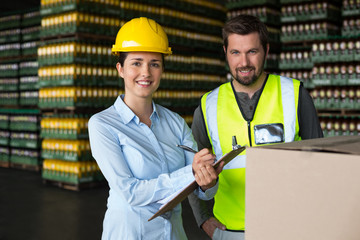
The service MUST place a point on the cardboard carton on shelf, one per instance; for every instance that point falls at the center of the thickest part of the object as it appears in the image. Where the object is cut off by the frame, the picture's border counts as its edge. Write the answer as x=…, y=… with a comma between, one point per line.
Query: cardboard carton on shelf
x=304, y=190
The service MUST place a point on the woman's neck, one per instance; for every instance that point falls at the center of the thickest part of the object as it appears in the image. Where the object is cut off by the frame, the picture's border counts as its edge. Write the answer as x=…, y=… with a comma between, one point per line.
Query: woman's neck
x=142, y=107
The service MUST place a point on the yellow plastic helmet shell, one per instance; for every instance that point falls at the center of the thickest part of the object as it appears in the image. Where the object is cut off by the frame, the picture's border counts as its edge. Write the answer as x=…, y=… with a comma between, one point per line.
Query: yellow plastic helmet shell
x=141, y=35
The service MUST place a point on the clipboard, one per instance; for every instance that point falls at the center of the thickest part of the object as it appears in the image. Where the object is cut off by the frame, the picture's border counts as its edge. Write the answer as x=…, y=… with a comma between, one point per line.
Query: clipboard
x=193, y=185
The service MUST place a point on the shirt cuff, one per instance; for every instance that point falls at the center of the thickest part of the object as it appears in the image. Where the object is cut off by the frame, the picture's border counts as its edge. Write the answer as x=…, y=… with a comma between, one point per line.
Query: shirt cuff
x=181, y=178
x=209, y=193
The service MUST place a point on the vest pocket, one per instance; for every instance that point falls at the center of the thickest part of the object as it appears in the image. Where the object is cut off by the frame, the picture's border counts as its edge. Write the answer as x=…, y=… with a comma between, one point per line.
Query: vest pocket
x=269, y=133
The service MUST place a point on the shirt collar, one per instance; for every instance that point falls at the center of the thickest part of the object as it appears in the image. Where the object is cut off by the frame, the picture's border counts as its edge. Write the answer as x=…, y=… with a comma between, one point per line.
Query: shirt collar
x=155, y=114
x=127, y=115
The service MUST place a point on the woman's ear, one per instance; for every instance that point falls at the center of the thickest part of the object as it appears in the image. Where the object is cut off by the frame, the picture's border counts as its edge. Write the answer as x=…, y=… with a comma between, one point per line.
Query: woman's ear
x=120, y=70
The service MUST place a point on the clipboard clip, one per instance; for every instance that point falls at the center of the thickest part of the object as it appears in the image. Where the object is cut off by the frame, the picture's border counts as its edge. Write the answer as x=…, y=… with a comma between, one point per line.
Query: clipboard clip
x=234, y=143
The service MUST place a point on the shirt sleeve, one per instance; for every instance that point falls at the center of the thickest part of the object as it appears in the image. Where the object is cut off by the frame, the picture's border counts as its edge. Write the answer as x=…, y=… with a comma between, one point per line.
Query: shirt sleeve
x=188, y=140
x=199, y=207
x=199, y=130
x=137, y=192
x=308, y=120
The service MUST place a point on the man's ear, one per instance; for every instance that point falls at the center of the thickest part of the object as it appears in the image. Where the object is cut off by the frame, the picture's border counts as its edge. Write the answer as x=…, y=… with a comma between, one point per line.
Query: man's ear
x=225, y=53
x=267, y=50
x=120, y=70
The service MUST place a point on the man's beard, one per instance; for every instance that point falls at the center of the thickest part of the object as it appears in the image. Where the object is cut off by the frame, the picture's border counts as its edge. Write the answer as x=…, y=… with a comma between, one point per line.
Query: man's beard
x=247, y=81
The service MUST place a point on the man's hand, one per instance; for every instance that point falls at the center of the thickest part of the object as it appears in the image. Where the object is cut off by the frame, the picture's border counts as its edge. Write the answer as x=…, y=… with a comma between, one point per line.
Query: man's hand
x=205, y=174
x=210, y=225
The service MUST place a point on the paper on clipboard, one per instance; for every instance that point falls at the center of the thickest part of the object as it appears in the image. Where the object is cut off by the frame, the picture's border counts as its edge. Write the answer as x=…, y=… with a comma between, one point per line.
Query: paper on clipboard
x=179, y=196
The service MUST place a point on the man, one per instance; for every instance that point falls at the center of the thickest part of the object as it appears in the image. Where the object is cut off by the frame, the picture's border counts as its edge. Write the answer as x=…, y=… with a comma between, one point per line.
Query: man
x=258, y=108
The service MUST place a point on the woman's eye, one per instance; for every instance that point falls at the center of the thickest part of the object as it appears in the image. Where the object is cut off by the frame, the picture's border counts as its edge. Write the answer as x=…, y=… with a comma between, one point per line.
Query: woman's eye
x=156, y=65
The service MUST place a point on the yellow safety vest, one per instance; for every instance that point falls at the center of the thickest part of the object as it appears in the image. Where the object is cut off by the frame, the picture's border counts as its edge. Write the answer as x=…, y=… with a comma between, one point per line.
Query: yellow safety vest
x=276, y=111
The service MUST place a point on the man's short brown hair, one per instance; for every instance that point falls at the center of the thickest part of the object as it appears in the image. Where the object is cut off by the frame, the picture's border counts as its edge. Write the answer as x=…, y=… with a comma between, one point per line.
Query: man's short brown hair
x=243, y=25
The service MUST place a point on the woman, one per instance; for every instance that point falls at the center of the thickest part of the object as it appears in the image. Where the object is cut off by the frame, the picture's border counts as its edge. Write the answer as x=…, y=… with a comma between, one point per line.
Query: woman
x=134, y=143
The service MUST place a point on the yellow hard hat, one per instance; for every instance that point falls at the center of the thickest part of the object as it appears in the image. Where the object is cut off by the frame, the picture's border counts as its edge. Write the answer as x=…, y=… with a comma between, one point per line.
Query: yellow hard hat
x=141, y=35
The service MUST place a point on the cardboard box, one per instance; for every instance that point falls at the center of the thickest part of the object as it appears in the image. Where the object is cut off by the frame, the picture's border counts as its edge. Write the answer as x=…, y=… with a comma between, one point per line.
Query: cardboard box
x=308, y=190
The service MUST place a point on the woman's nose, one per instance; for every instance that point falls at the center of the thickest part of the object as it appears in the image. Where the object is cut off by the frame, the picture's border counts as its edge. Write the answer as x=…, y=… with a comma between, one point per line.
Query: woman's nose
x=145, y=71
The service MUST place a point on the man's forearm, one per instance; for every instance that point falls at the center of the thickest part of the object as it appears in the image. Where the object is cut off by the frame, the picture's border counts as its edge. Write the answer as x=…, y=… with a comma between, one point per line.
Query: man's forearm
x=199, y=208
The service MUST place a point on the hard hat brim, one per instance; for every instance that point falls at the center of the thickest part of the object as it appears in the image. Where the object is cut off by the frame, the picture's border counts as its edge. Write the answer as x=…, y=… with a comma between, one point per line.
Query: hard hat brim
x=116, y=50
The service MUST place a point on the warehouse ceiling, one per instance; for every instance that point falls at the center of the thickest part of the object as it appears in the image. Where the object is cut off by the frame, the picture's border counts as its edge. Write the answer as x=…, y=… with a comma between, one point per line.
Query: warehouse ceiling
x=17, y=5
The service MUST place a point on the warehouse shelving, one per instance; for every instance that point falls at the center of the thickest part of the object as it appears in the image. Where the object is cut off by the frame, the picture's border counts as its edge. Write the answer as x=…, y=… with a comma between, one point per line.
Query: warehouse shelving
x=303, y=24
x=20, y=116
x=336, y=77
x=75, y=80
x=20, y=141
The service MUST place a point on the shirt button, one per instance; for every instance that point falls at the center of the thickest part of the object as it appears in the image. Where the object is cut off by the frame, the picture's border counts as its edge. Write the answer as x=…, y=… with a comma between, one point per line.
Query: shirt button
x=251, y=107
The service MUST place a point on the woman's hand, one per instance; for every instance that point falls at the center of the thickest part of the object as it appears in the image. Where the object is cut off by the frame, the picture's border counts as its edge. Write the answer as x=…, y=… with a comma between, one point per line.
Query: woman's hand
x=205, y=174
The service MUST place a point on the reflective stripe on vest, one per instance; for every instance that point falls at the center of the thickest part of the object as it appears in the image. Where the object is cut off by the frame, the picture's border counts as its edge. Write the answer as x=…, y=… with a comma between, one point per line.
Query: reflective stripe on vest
x=289, y=110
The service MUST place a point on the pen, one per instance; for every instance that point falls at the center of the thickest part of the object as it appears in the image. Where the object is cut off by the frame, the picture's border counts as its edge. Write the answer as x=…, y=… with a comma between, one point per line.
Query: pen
x=187, y=148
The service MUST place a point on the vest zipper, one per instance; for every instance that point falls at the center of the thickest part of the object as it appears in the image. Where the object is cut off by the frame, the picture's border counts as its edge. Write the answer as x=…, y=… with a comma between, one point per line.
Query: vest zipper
x=249, y=132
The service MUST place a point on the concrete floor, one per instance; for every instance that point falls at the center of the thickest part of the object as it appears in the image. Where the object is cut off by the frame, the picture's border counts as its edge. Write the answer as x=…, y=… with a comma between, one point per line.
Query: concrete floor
x=32, y=210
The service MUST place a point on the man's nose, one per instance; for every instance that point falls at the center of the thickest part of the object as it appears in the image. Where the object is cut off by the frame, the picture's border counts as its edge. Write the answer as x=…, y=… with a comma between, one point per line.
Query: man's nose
x=243, y=60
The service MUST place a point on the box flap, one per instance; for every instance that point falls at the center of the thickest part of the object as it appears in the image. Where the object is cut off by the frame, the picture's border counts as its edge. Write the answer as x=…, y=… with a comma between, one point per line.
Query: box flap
x=338, y=144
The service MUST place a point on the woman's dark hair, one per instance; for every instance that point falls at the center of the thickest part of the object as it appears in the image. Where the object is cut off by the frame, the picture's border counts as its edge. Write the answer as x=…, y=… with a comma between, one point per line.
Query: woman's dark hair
x=243, y=25
x=123, y=56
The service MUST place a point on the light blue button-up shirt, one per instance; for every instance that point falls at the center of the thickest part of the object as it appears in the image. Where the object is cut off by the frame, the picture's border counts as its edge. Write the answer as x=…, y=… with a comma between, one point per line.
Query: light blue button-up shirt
x=142, y=166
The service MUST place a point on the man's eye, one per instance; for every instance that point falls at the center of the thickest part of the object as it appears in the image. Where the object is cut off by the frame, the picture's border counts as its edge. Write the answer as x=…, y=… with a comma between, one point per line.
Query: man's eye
x=136, y=64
